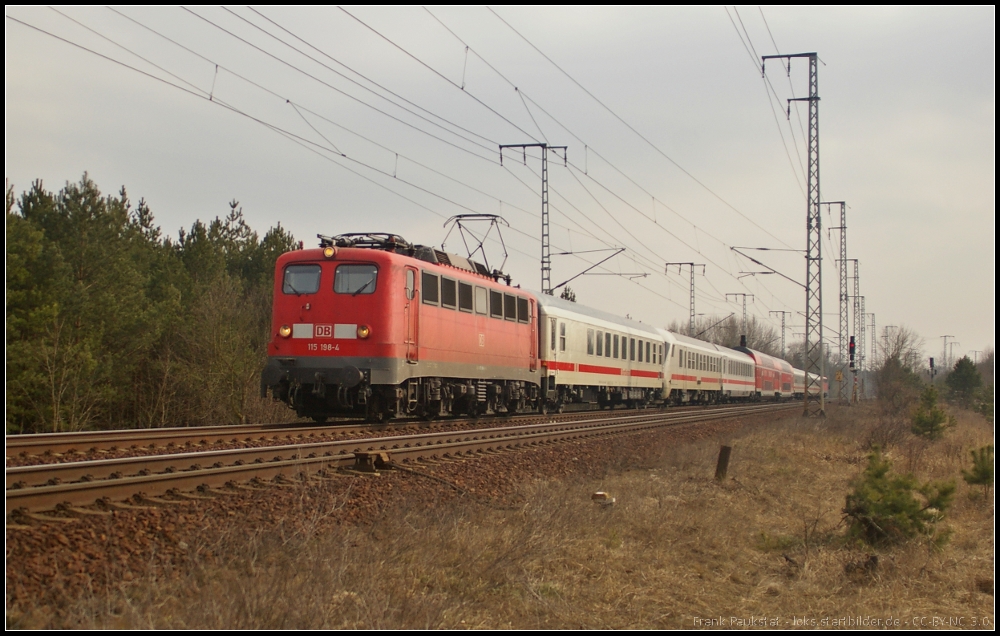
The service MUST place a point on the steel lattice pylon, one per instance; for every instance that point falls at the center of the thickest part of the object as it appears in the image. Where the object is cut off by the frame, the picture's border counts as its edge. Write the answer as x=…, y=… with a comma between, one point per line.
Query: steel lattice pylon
x=842, y=353
x=814, y=399
x=546, y=255
x=691, y=304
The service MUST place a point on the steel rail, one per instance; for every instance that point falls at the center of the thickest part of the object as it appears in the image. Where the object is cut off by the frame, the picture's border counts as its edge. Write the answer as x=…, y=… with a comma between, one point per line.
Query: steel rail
x=106, y=479
x=37, y=444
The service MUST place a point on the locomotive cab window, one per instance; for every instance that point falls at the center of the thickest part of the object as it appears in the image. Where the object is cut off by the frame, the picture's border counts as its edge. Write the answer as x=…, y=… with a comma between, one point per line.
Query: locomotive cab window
x=510, y=307
x=301, y=279
x=464, y=296
x=496, y=304
x=430, y=284
x=523, y=310
x=449, y=297
x=355, y=279
x=482, y=301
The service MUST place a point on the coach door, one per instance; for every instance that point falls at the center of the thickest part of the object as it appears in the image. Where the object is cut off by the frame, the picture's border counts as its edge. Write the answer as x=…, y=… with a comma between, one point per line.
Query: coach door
x=533, y=319
x=410, y=311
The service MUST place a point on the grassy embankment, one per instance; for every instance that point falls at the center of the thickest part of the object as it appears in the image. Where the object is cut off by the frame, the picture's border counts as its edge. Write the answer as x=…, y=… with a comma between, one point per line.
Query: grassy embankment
x=677, y=550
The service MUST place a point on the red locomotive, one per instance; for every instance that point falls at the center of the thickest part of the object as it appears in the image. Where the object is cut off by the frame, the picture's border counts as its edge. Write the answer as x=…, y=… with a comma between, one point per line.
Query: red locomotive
x=369, y=324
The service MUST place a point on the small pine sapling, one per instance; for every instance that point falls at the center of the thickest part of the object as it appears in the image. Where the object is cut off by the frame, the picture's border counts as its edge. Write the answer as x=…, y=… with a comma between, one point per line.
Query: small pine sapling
x=982, y=469
x=883, y=510
x=929, y=421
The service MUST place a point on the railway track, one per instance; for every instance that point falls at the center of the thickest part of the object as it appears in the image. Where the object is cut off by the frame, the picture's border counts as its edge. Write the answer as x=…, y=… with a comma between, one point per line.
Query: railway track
x=67, y=445
x=72, y=485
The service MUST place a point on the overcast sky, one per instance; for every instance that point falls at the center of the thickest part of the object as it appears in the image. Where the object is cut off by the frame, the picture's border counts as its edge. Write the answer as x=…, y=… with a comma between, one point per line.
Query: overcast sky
x=388, y=119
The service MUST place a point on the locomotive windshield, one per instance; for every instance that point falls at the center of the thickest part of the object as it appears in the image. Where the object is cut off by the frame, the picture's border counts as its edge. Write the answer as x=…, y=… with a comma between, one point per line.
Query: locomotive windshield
x=301, y=279
x=355, y=279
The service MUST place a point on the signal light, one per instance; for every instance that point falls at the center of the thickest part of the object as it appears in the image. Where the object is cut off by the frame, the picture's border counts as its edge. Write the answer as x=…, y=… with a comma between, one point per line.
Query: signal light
x=932, y=364
x=850, y=348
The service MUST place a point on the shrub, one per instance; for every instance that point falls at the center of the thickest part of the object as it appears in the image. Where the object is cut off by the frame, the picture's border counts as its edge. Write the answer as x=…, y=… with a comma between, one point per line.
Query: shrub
x=982, y=469
x=883, y=509
x=929, y=421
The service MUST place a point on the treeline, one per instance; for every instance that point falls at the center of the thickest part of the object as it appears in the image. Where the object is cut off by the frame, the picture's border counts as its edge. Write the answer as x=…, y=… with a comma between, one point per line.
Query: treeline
x=110, y=324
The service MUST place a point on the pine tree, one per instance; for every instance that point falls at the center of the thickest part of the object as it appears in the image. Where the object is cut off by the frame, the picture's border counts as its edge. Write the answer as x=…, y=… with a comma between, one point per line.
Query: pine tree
x=929, y=421
x=982, y=469
x=883, y=510
x=963, y=382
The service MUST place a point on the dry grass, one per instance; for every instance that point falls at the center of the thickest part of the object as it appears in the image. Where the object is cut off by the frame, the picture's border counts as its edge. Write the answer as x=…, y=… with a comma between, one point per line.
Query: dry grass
x=678, y=550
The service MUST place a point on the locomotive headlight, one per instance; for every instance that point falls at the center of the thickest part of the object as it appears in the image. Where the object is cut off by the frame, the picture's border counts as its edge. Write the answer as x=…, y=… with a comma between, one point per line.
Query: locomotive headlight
x=329, y=251
x=364, y=331
x=285, y=331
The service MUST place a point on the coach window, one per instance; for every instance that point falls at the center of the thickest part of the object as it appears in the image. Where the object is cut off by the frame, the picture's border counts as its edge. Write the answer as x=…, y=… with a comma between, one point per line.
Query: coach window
x=661, y=353
x=510, y=307
x=631, y=348
x=449, y=295
x=430, y=284
x=552, y=332
x=482, y=304
x=301, y=279
x=464, y=296
x=355, y=279
x=523, y=310
x=600, y=343
x=562, y=336
x=590, y=342
x=640, y=351
x=647, y=351
x=607, y=345
x=496, y=304
x=615, y=341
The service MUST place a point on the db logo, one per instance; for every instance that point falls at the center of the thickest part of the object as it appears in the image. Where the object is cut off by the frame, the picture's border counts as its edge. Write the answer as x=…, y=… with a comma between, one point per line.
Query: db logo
x=324, y=331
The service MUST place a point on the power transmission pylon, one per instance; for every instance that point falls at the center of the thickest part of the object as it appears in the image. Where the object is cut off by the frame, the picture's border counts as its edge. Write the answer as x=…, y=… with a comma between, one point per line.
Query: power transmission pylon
x=744, y=310
x=546, y=256
x=874, y=361
x=814, y=399
x=944, y=354
x=842, y=262
x=782, y=328
x=692, y=266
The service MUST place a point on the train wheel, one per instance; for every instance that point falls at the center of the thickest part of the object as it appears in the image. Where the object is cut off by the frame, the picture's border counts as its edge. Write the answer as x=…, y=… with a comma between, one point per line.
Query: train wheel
x=319, y=419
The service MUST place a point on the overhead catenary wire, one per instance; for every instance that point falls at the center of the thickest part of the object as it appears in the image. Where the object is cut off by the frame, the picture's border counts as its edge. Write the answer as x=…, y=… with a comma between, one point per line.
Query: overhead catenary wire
x=305, y=143
x=327, y=84
x=525, y=96
x=380, y=171
x=640, y=135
